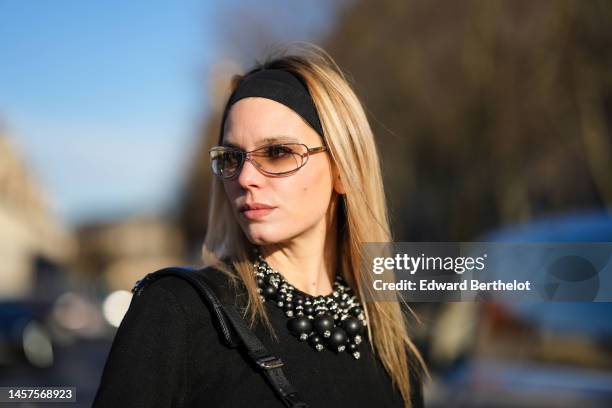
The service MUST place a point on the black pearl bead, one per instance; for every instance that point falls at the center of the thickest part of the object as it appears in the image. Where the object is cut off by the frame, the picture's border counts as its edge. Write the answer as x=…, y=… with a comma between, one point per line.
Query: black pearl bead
x=338, y=338
x=298, y=301
x=323, y=323
x=352, y=326
x=288, y=306
x=356, y=311
x=309, y=310
x=316, y=341
x=300, y=325
x=280, y=297
x=351, y=347
x=268, y=291
x=260, y=282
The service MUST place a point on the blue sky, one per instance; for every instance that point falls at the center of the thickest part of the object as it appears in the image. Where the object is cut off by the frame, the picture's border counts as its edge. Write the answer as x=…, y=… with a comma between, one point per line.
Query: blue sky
x=103, y=99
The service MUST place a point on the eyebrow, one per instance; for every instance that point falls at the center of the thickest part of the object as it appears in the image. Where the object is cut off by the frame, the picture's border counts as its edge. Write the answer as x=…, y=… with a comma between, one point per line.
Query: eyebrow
x=267, y=140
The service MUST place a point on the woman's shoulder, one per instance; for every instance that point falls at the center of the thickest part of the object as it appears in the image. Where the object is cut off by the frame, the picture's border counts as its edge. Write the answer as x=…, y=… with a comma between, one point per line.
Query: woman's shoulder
x=161, y=282
x=167, y=293
x=159, y=302
x=157, y=344
x=164, y=292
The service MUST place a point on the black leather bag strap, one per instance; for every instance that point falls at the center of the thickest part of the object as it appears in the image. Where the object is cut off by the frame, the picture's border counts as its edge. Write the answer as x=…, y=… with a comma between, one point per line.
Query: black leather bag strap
x=234, y=329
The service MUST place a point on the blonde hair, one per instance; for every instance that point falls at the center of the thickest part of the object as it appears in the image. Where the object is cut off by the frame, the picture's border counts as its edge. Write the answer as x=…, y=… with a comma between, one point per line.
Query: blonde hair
x=362, y=211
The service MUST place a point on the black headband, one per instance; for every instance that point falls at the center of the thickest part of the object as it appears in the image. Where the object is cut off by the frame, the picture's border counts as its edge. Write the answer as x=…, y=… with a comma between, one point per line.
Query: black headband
x=280, y=86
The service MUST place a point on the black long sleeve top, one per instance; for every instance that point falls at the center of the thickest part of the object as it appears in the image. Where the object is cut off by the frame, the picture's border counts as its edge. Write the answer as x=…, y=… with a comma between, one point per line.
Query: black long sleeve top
x=167, y=353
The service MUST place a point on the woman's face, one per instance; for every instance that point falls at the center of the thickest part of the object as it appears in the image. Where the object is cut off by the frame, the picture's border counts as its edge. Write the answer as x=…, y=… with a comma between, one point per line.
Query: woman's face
x=299, y=202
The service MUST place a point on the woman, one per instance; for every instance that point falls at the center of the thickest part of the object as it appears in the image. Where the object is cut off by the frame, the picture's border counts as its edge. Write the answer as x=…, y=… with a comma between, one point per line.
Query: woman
x=298, y=188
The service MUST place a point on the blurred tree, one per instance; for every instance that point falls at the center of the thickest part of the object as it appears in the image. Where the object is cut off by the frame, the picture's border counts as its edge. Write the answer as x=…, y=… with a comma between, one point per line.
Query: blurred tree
x=193, y=210
x=487, y=112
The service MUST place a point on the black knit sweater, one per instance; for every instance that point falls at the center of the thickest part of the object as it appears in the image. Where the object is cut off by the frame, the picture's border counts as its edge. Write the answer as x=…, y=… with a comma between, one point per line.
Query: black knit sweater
x=167, y=353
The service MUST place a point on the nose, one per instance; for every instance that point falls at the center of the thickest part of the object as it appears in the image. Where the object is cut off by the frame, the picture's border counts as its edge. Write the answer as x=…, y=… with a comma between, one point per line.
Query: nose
x=249, y=175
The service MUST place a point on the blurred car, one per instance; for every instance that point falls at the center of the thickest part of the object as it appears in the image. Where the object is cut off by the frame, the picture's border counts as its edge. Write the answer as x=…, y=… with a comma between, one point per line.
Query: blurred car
x=535, y=354
x=23, y=335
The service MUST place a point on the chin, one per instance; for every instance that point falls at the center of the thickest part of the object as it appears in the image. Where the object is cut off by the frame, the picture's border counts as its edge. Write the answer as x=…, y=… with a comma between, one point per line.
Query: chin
x=260, y=234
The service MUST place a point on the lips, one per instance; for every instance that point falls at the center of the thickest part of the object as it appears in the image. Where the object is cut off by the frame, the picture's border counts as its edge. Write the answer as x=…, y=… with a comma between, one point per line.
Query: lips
x=254, y=206
x=255, y=211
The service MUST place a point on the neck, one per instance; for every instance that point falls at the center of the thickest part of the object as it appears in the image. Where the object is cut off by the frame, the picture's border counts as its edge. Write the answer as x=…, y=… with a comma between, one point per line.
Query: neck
x=308, y=262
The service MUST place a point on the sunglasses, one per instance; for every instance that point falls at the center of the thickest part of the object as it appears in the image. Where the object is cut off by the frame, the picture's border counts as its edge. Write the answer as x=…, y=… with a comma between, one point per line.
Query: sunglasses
x=274, y=160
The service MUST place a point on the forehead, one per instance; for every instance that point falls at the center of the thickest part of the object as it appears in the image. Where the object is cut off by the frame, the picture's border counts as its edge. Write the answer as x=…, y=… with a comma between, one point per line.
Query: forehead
x=253, y=121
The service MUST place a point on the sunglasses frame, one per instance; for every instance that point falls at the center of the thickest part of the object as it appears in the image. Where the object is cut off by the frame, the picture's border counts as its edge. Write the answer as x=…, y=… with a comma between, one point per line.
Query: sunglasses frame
x=246, y=155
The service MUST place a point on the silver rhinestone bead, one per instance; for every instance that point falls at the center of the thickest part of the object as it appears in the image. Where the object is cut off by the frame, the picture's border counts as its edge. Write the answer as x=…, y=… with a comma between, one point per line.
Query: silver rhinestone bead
x=319, y=347
x=303, y=337
x=289, y=313
x=357, y=339
x=326, y=333
x=341, y=348
x=279, y=304
x=356, y=354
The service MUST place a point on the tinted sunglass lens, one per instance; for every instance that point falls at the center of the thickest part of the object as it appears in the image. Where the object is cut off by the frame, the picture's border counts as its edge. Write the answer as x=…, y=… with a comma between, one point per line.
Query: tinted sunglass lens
x=225, y=163
x=280, y=159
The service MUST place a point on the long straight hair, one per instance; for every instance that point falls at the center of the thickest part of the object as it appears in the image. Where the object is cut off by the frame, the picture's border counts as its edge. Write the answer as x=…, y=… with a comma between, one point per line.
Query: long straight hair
x=362, y=211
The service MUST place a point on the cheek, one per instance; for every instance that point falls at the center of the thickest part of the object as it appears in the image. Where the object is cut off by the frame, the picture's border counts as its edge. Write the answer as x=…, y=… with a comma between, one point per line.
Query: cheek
x=310, y=192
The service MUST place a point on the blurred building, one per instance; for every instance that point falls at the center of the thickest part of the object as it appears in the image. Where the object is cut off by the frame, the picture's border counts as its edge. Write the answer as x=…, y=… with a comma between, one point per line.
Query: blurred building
x=122, y=251
x=31, y=238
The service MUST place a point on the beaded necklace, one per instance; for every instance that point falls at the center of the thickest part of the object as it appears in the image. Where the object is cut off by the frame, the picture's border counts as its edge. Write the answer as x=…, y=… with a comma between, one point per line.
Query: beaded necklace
x=334, y=322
